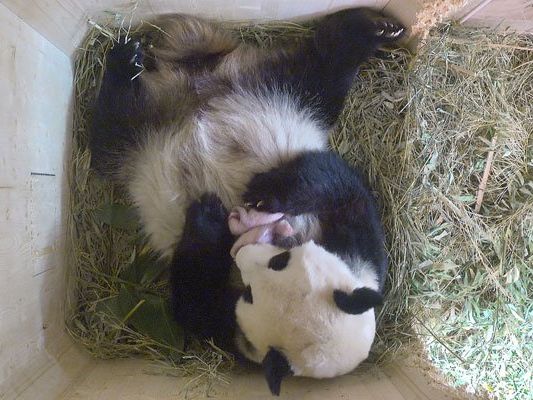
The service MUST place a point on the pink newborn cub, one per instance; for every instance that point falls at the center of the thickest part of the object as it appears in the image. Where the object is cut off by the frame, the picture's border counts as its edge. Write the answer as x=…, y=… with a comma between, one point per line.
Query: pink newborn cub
x=254, y=226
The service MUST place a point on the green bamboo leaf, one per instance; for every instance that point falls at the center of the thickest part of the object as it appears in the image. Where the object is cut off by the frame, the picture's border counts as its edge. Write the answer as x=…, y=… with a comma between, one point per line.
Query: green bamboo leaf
x=118, y=216
x=144, y=270
x=128, y=300
x=149, y=315
x=110, y=307
x=156, y=268
x=153, y=318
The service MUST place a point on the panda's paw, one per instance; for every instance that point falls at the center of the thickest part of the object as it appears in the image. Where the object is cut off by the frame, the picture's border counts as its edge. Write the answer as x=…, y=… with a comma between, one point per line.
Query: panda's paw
x=206, y=221
x=388, y=30
x=264, y=194
x=362, y=26
x=266, y=204
x=125, y=59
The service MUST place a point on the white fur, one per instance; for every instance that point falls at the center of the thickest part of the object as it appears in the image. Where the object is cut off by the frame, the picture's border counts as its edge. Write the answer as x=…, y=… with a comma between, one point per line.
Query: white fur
x=179, y=164
x=293, y=310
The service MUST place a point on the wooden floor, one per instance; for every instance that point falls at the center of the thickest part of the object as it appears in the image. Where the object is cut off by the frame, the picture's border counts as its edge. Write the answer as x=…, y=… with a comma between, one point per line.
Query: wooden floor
x=131, y=380
x=128, y=379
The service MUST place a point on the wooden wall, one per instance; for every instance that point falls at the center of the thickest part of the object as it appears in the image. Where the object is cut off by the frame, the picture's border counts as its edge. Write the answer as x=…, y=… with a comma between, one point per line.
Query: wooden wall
x=513, y=14
x=63, y=22
x=35, y=130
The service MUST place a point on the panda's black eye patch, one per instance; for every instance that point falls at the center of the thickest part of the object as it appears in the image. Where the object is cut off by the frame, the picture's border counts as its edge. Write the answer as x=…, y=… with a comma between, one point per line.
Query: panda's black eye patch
x=280, y=261
x=247, y=295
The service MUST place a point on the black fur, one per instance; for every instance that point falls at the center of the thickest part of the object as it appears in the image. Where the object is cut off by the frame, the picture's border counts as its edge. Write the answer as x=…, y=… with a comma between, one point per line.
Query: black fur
x=279, y=262
x=117, y=112
x=320, y=70
x=124, y=108
x=124, y=61
x=357, y=302
x=322, y=183
x=276, y=367
x=247, y=295
x=318, y=73
x=202, y=301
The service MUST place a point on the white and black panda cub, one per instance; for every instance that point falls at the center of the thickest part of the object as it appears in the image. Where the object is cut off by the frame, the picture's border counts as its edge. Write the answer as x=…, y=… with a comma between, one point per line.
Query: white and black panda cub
x=192, y=123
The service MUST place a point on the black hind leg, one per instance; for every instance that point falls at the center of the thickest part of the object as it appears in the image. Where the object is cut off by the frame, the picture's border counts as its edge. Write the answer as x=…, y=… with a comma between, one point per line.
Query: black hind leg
x=320, y=70
x=147, y=84
x=348, y=37
x=344, y=40
x=124, y=62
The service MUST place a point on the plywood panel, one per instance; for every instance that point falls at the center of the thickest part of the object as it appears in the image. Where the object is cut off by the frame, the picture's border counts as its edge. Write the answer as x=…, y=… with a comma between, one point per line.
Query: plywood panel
x=35, y=126
x=58, y=21
x=404, y=10
x=128, y=380
x=514, y=14
x=257, y=9
x=63, y=22
x=134, y=380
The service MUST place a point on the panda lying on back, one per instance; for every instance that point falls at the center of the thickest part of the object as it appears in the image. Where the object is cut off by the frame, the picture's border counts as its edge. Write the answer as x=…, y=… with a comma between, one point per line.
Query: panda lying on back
x=210, y=124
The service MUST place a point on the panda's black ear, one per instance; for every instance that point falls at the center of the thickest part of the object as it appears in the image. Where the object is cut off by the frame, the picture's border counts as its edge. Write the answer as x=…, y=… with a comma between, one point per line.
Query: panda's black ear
x=359, y=301
x=279, y=262
x=276, y=367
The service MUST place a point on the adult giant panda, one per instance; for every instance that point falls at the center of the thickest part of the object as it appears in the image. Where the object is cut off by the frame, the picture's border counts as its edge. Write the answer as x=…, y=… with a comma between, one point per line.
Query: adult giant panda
x=192, y=123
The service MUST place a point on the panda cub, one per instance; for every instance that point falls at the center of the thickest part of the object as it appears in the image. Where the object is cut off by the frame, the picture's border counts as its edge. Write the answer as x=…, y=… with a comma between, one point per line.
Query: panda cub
x=192, y=123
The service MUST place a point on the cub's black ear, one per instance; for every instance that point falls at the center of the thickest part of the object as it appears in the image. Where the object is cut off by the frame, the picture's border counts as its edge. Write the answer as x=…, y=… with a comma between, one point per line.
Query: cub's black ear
x=276, y=367
x=359, y=301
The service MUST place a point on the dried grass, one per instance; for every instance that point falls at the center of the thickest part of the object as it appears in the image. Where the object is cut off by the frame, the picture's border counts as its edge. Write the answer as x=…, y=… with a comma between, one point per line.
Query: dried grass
x=99, y=254
x=446, y=139
x=433, y=12
x=471, y=120
x=422, y=128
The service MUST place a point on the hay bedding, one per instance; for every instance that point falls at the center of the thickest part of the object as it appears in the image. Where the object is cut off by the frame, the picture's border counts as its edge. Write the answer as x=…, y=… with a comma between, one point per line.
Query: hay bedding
x=445, y=138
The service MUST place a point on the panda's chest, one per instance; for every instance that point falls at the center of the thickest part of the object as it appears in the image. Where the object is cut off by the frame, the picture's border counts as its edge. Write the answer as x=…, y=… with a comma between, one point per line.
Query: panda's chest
x=218, y=150
x=238, y=136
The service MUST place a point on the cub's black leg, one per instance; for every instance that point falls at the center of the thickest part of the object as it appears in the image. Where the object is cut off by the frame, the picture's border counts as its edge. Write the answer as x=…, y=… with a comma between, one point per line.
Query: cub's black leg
x=309, y=183
x=202, y=302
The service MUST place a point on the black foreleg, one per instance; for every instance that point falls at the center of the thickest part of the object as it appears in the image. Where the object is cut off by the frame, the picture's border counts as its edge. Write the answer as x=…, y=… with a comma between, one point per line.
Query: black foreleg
x=120, y=108
x=310, y=183
x=202, y=301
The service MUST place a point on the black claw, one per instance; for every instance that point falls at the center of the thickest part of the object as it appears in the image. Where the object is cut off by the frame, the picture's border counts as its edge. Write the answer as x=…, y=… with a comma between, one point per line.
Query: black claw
x=388, y=30
x=125, y=60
